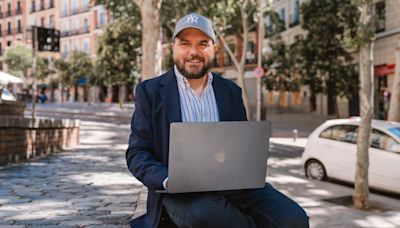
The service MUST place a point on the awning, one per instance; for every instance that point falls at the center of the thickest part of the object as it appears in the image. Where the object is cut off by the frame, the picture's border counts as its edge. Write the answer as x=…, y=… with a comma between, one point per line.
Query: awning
x=384, y=70
x=6, y=78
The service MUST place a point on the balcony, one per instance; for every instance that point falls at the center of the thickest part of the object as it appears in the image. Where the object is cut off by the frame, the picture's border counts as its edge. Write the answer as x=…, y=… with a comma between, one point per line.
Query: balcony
x=75, y=32
x=10, y=32
x=18, y=11
x=74, y=11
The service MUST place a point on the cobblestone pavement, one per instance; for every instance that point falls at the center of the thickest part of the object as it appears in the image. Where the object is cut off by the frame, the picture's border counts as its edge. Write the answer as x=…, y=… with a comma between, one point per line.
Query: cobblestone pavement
x=87, y=186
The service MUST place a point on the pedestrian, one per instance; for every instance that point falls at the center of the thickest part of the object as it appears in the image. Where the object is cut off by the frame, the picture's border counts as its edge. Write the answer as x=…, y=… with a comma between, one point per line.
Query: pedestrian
x=174, y=97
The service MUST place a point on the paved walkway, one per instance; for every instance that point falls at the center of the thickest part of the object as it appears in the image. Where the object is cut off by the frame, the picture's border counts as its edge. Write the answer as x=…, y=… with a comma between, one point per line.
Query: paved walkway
x=91, y=187
x=88, y=186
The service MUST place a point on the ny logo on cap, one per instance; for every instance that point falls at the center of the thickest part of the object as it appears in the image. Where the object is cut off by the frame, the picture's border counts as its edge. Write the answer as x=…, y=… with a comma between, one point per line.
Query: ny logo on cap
x=192, y=19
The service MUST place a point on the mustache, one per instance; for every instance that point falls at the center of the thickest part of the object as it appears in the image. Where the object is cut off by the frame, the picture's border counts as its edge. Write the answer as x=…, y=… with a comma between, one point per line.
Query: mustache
x=195, y=57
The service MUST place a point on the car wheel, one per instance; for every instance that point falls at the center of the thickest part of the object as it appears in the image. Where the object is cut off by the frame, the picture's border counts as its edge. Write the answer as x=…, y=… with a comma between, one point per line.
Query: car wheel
x=315, y=170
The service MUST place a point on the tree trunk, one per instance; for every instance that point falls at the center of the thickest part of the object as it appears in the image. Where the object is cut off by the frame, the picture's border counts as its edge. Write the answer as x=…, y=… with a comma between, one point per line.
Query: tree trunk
x=240, y=66
x=120, y=95
x=394, y=108
x=151, y=37
x=361, y=192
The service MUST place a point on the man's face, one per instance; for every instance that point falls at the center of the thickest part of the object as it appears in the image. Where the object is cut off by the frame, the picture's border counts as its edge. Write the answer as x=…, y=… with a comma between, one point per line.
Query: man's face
x=193, y=52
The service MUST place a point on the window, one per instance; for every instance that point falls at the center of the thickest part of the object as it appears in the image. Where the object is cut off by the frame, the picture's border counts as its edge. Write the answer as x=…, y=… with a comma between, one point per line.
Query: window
x=251, y=52
x=9, y=43
x=1, y=30
x=41, y=4
x=381, y=140
x=19, y=26
x=33, y=7
x=64, y=8
x=380, y=16
x=32, y=20
x=86, y=46
x=343, y=133
x=51, y=21
x=282, y=16
x=42, y=21
x=19, y=6
x=294, y=15
x=9, y=28
x=65, y=51
x=86, y=25
x=9, y=9
x=101, y=19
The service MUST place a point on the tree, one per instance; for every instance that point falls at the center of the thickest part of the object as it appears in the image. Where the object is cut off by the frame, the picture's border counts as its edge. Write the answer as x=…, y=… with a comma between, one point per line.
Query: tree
x=150, y=28
x=80, y=66
x=394, y=108
x=281, y=61
x=64, y=75
x=363, y=41
x=19, y=60
x=115, y=55
x=325, y=62
x=42, y=68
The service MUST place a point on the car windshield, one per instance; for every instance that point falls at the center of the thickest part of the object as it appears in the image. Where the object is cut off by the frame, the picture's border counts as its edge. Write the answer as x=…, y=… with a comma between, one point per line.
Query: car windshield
x=395, y=130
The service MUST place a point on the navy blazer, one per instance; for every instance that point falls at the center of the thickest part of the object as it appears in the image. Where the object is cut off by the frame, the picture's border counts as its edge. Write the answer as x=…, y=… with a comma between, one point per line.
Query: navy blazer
x=157, y=106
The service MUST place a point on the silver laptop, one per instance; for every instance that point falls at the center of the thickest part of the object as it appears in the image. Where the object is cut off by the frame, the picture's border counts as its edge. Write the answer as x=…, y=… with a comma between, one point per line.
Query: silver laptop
x=217, y=156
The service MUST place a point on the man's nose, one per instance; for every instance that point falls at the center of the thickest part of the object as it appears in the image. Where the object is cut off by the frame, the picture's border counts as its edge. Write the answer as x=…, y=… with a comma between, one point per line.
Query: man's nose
x=193, y=49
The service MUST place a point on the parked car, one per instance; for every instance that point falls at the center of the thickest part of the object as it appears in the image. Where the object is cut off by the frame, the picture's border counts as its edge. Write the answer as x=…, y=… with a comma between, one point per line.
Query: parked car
x=331, y=151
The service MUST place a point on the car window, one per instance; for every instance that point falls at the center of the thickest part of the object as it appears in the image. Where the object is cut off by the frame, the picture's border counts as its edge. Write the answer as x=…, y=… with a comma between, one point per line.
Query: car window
x=381, y=140
x=343, y=133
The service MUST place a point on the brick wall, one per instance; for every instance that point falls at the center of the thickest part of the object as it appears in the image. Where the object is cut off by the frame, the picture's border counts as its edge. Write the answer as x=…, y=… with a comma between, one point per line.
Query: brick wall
x=22, y=138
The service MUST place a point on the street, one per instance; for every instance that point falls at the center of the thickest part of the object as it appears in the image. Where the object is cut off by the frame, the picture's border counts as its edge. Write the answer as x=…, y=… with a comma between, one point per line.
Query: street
x=90, y=186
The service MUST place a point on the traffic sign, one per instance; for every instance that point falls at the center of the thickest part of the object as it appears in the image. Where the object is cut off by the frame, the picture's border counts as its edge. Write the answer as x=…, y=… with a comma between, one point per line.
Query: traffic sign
x=259, y=72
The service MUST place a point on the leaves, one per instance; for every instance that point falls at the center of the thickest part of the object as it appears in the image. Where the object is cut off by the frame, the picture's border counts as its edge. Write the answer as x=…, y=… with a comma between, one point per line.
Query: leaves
x=118, y=51
x=18, y=59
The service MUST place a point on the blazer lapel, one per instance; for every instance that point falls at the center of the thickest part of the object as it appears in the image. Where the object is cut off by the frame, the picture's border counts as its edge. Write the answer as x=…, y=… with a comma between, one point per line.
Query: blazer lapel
x=221, y=96
x=170, y=97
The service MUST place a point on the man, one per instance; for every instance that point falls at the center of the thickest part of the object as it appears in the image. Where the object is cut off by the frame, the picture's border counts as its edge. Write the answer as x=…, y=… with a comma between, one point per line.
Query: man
x=191, y=93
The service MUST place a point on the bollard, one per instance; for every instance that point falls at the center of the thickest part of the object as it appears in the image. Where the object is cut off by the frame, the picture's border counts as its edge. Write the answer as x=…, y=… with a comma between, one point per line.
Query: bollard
x=295, y=134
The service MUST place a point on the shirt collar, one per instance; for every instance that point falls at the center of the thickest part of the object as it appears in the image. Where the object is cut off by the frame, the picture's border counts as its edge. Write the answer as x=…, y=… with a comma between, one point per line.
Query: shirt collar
x=185, y=83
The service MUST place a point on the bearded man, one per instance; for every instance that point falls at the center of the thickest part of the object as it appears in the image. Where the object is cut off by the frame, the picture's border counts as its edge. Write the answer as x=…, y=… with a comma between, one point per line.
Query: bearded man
x=190, y=92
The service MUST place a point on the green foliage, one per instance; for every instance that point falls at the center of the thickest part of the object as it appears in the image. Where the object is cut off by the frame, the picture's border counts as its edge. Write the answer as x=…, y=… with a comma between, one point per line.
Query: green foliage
x=42, y=67
x=116, y=53
x=323, y=51
x=18, y=59
x=281, y=61
x=358, y=34
x=80, y=66
x=63, y=70
x=121, y=8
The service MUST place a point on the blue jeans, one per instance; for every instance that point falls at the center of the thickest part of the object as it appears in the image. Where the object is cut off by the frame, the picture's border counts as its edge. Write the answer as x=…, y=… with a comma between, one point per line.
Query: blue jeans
x=264, y=207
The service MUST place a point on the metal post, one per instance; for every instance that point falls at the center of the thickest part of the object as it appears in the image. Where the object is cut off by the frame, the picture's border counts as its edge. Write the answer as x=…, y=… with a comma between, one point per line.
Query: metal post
x=34, y=38
x=261, y=5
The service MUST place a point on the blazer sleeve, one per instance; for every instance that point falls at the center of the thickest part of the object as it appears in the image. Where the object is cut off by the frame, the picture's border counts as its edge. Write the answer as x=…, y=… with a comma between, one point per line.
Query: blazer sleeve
x=139, y=155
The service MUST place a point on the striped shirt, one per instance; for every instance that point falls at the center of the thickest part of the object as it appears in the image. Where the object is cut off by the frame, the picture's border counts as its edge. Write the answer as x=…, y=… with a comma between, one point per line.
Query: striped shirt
x=196, y=108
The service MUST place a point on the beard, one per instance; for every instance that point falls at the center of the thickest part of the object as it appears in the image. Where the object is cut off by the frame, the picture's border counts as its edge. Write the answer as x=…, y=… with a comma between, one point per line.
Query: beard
x=193, y=75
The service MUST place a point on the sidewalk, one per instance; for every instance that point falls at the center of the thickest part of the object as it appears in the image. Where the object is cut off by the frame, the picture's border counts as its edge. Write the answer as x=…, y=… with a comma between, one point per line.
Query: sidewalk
x=284, y=173
x=82, y=108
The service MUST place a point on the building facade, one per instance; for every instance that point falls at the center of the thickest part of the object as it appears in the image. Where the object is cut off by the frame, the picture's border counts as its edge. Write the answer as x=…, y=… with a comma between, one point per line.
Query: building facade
x=387, y=30
x=13, y=21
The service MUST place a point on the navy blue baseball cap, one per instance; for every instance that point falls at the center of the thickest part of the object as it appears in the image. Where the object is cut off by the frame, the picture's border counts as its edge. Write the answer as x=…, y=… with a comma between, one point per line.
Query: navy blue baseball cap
x=197, y=21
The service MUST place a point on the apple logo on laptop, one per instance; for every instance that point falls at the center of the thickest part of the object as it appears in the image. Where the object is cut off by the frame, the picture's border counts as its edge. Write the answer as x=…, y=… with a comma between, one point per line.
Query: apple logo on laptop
x=220, y=156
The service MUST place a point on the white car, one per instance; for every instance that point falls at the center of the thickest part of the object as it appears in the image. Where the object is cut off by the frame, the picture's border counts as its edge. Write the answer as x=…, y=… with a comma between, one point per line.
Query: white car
x=6, y=95
x=331, y=152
